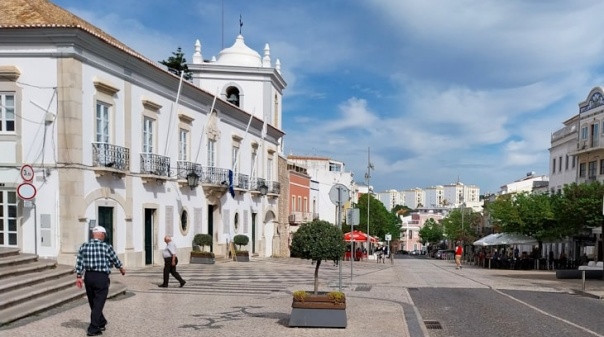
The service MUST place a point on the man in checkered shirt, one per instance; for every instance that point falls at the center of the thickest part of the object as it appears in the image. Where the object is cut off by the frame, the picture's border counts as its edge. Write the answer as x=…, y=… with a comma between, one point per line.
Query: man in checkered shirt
x=94, y=261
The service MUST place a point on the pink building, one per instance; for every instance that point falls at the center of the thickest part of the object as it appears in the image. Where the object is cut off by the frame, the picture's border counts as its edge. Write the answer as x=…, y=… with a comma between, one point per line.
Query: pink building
x=412, y=224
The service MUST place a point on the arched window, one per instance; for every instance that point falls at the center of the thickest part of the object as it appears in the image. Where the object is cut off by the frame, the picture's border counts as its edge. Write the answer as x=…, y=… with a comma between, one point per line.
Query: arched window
x=233, y=95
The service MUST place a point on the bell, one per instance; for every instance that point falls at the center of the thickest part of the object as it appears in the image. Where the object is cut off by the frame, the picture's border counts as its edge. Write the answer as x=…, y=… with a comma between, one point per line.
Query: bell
x=233, y=99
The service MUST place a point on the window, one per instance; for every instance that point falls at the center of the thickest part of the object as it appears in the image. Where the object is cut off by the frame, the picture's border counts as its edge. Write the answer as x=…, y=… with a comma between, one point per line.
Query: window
x=269, y=169
x=183, y=145
x=601, y=166
x=335, y=167
x=305, y=205
x=184, y=220
x=7, y=112
x=584, y=133
x=293, y=203
x=554, y=165
x=148, y=135
x=299, y=208
x=574, y=161
x=102, y=122
x=211, y=152
x=582, y=168
x=592, y=169
x=566, y=163
x=560, y=164
x=595, y=139
x=8, y=218
x=233, y=96
x=235, y=153
x=253, y=174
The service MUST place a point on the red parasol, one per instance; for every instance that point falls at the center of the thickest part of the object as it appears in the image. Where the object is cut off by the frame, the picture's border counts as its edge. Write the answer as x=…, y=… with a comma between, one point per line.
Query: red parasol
x=358, y=236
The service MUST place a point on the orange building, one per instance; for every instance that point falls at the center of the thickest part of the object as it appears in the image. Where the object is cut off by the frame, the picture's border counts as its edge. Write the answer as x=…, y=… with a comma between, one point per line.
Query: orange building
x=299, y=196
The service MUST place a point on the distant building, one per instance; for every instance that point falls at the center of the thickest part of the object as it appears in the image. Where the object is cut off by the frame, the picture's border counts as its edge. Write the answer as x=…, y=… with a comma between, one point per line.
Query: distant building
x=391, y=198
x=413, y=223
x=326, y=172
x=530, y=183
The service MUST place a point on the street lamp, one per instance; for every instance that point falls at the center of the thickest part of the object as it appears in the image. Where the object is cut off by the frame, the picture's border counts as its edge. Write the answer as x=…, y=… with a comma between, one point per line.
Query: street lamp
x=263, y=189
x=192, y=180
x=368, y=178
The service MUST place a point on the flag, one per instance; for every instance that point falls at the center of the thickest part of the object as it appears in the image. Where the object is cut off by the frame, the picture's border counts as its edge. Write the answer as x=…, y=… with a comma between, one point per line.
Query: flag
x=231, y=190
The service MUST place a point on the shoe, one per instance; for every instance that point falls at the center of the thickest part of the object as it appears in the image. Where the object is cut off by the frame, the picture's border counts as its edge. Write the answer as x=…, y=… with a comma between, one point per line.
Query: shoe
x=162, y=286
x=103, y=328
x=183, y=284
x=98, y=333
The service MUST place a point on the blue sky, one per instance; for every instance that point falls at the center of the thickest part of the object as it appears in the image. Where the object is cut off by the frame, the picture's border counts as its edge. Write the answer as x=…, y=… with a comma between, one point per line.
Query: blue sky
x=437, y=89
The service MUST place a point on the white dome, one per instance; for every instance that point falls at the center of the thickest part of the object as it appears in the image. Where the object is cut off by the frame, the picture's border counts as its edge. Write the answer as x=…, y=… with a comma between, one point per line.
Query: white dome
x=239, y=55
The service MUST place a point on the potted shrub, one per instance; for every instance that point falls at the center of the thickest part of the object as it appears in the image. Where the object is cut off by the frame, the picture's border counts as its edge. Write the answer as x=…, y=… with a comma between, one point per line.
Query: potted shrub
x=198, y=254
x=241, y=255
x=318, y=241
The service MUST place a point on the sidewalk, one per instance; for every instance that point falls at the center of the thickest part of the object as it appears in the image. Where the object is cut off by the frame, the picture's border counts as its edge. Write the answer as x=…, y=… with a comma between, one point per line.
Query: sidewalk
x=254, y=299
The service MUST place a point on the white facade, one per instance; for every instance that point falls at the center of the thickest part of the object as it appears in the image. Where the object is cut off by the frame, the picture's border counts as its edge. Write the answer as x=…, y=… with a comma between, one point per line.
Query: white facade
x=414, y=198
x=529, y=183
x=563, y=165
x=326, y=173
x=458, y=193
x=435, y=195
x=115, y=150
x=391, y=198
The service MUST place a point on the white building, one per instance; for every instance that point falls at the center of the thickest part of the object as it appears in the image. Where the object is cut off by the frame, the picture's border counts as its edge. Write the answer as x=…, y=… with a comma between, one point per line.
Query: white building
x=414, y=198
x=563, y=164
x=326, y=172
x=109, y=146
x=530, y=183
x=435, y=196
x=456, y=194
x=391, y=198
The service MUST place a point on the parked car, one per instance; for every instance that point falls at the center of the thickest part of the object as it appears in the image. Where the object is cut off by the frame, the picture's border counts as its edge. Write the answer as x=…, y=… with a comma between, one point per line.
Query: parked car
x=443, y=253
x=414, y=252
x=401, y=252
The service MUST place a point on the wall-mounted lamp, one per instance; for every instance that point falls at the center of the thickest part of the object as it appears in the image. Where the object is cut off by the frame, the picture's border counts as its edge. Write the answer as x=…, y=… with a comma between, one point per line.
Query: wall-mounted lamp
x=192, y=180
x=263, y=189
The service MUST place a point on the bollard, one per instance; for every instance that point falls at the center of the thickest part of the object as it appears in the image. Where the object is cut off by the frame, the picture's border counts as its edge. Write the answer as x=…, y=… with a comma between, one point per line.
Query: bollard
x=490, y=263
x=583, y=279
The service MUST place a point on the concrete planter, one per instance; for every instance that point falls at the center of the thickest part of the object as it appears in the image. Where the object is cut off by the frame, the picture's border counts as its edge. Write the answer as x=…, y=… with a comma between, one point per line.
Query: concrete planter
x=318, y=311
x=242, y=258
x=202, y=260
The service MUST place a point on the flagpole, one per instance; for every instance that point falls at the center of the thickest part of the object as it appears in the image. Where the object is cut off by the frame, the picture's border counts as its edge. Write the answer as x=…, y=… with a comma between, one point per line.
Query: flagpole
x=204, y=126
x=182, y=75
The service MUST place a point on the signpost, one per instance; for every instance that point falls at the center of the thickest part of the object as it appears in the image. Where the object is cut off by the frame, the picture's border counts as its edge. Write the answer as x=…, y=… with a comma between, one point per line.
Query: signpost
x=388, y=239
x=339, y=194
x=26, y=192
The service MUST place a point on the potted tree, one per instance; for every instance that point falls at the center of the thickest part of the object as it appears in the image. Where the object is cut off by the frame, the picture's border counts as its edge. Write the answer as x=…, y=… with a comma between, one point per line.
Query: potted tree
x=198, y=254
x=241, y=255
x=318, y=241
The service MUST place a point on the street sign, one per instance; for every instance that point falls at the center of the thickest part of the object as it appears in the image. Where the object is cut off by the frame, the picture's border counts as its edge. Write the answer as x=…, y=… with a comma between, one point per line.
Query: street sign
x=339, y=194
x=353, y=216
x=388, y=237
x=26, y=191
x=27, y=173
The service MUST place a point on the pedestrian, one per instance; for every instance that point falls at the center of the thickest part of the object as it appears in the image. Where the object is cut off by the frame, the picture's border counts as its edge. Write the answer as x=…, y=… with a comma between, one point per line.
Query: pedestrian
x=93, y=266
x=458, y=253
x=170, y=262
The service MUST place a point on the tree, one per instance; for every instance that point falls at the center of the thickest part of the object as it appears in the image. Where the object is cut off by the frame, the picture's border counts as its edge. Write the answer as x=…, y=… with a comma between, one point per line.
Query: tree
x=431, y=232
x=318, y=241
x=381, y=222
x=461, y=224
x=579, y=207
x=177, y=63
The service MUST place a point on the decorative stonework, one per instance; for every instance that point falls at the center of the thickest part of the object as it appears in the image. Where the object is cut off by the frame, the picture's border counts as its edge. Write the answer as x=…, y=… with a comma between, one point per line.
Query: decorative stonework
x=594, y=101
x=106, y=87
x=150, y=105
x=10, y=72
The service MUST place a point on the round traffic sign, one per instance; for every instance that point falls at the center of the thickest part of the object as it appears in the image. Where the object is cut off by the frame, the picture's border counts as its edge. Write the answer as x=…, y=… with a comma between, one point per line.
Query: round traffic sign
x=339, y=194
x=27, y=172
x=26, y=191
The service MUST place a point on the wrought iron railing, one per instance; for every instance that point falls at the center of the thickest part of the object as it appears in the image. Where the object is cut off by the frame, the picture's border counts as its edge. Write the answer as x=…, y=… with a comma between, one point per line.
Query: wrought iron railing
x=113, y=156
x=184, y=168
x=155, y=164
x=274, y=187
x=215, y=176
x=241, y=181
x=256, y=183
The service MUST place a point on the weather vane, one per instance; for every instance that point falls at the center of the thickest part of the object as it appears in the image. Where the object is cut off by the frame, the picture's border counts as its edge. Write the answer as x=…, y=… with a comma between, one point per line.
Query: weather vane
x=240, y=24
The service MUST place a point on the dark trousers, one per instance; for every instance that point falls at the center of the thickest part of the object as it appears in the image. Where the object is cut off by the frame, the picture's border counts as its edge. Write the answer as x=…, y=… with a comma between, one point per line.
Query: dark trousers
x=170, y=269
x=97, y=288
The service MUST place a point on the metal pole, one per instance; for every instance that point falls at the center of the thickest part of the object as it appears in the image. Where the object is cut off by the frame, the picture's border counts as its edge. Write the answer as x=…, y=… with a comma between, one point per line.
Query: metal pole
x=339, y=220
x=368, y=176
x=352, y=256
x=583, y=279
x=35, y=228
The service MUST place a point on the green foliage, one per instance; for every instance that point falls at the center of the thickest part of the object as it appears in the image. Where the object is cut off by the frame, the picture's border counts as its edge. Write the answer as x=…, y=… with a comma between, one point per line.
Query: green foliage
x=318, y=241
x=381, y=221
x=400, y=210
x=177, y=63
x=431, y=232
x=579, y=207
x=461, y=224
x=201, y=254
x=202, y=240
x=241, y=240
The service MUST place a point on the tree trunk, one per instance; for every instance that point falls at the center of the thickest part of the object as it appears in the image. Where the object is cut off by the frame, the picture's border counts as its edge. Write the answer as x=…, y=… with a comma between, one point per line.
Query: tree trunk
x=317, y=277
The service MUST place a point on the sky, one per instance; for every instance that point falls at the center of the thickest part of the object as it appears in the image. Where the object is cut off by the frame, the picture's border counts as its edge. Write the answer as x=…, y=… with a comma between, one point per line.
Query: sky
x=438, y=90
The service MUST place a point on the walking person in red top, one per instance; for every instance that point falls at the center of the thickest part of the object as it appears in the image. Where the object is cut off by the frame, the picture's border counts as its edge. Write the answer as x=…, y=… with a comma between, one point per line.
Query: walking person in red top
x=458, y=253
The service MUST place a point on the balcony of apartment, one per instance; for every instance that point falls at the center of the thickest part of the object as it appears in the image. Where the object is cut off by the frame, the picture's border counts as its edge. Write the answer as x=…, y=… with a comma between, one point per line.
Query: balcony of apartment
x=241, y=182
x=274, y=188
x=587, y=146
x=109, y=158
x=298, y=218
x=258, y=186
x=188, y=173
x=215, y=181
x=155, y=167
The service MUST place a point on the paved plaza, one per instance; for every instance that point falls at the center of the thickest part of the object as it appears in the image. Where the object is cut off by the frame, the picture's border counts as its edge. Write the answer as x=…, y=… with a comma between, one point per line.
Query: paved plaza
x=254, y=299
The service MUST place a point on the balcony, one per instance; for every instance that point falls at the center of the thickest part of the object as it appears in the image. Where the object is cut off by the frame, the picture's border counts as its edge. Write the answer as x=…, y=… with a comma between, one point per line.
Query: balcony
x=298, y=218
x=215, y=181
x=274, y=187
x=584, y=146
x=155, y=166
x=255, y=184
x=108, y=158
x=241, y=182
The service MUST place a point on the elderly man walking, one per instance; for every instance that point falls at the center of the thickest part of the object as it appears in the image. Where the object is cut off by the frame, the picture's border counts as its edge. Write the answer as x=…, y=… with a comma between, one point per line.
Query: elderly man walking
x=93, y=263
x=170, y=262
